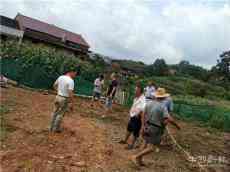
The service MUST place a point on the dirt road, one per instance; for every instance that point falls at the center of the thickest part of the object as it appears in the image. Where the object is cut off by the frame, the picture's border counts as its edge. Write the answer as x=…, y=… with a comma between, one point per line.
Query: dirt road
x=89, y=142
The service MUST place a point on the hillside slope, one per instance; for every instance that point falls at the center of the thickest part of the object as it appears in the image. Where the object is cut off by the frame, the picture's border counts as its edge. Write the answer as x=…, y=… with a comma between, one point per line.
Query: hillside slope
x=89, y=142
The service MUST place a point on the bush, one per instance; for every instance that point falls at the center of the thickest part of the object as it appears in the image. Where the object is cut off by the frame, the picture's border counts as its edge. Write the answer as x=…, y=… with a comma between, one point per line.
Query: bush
x=196, y=88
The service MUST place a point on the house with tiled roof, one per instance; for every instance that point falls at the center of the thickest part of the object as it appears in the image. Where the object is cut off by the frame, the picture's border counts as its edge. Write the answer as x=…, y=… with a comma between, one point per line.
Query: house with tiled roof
x=41, y=32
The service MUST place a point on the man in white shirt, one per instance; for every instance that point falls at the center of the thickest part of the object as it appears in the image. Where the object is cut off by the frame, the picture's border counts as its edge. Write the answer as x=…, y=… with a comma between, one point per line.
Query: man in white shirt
x=98, y=83
x=65, y=91
x=134, y=124
x=150, y=91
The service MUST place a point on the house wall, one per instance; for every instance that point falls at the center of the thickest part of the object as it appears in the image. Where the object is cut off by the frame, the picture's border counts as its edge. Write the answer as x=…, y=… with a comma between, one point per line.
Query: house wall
x=11, y=31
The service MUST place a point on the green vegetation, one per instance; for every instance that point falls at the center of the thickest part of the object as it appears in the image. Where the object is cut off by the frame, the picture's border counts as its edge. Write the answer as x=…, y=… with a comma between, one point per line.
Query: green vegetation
x=38, y=67
x=220, y=74
x=210, y=113
x=132, y=66
x=158, y=68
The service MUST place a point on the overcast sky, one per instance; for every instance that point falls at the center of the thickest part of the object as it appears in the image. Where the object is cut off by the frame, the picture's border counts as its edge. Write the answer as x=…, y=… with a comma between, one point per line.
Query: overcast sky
x=194, y=30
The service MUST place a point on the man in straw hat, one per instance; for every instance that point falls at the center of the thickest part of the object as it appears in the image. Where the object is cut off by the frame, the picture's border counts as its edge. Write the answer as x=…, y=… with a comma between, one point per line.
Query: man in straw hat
x=154, y=120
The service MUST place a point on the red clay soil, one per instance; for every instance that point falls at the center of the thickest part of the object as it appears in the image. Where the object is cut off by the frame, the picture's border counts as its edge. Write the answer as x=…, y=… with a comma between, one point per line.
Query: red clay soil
x=90, y=142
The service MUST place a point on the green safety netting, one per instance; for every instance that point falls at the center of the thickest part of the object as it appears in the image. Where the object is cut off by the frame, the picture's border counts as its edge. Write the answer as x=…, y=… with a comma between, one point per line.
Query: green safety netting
x=36, y=77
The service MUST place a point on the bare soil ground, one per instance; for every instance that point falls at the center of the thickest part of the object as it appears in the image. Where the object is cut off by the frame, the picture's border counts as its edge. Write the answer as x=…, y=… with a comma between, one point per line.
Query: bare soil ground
x=90, y=142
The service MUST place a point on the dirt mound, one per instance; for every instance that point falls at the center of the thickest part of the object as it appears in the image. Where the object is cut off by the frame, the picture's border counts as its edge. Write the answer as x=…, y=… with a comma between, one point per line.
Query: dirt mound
x=89, y=142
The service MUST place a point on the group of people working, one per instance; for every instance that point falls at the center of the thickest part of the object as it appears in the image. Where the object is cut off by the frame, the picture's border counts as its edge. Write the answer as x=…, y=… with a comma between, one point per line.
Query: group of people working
x=149, y=114
x=110, y=92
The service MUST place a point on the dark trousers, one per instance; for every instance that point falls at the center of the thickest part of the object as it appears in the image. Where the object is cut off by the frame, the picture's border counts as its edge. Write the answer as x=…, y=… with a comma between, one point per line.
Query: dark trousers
x=134, y=125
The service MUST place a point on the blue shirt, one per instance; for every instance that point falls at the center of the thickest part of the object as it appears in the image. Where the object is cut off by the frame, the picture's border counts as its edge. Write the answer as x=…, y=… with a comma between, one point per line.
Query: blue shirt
x=168, y=103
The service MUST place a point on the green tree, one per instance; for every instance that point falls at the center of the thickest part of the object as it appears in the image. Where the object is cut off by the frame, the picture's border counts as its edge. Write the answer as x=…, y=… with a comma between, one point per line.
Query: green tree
x=223, y=65
x=220, y=74
x=158, y=68
x=185, y=68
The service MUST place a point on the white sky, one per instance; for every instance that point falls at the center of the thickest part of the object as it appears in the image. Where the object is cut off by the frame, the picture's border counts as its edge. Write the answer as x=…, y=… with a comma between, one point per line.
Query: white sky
x=143, y=30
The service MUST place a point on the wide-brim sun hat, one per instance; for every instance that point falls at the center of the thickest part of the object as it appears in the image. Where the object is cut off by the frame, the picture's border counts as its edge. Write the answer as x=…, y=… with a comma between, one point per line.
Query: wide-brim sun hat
x=161, y=93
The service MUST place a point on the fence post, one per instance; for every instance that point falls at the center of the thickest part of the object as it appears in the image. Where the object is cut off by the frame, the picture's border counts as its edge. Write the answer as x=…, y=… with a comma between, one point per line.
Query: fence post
x=123, y=98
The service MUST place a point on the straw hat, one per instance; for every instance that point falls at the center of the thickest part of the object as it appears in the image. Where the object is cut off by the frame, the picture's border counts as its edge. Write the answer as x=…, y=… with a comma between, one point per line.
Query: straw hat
x=161, y=93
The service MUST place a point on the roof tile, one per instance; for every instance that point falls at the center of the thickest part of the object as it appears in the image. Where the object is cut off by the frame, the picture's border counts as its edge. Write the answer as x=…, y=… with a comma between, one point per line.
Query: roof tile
x=34, y=24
